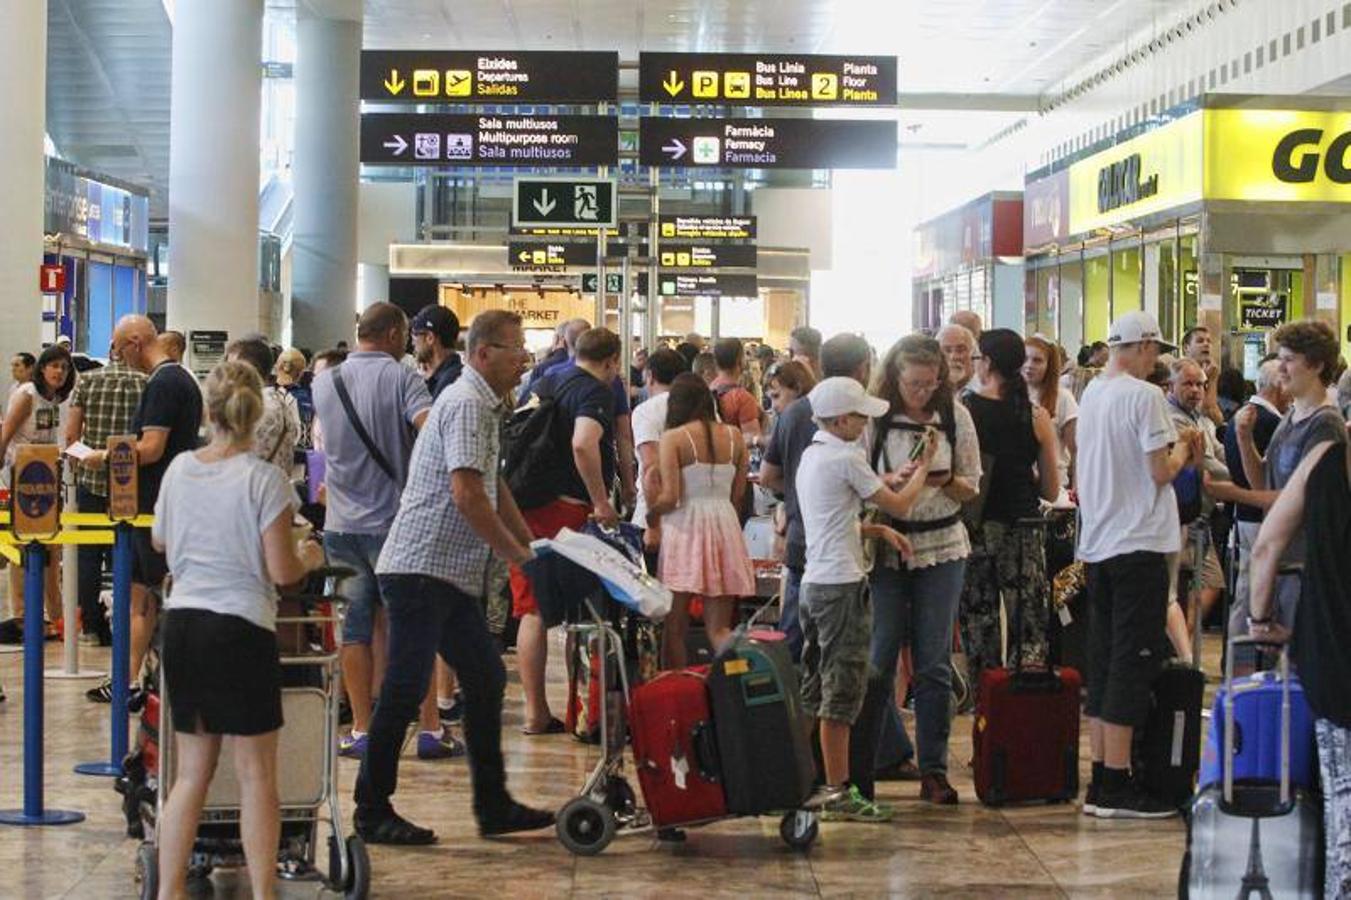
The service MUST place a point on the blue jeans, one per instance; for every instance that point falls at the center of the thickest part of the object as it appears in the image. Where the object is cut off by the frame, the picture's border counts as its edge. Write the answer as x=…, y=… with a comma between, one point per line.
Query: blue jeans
x=921, y=605
x=428, y=616
x=790, y=622
x=359, y=552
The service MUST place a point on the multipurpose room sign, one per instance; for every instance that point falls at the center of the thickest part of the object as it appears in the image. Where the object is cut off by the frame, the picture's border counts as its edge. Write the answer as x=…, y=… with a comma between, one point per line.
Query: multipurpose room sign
x=767, y=79
x=467, y=76
x=444, y=139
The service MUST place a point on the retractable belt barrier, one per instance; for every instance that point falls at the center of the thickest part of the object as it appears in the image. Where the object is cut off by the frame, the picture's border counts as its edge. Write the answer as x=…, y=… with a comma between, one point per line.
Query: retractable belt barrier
x=34, y=522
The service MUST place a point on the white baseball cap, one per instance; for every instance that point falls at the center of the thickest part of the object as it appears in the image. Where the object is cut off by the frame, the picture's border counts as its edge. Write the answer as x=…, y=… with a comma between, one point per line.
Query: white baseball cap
x=841, y=396
x=1135, y=327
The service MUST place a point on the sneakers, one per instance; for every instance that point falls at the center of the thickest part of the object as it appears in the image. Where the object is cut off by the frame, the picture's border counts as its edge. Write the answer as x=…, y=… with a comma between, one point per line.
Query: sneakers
x=454, y=712
x=823, y=795
x=1130, y=801
x=443, y=746
x=854, y=807
x=102, y=693
x=352, y=745
x=391, y=828
x=1090, y=804
x=516, y=817
x=934, y=788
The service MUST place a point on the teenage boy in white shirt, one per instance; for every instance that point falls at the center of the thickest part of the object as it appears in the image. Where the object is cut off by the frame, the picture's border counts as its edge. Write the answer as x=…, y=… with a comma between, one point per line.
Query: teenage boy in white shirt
x=833, y=481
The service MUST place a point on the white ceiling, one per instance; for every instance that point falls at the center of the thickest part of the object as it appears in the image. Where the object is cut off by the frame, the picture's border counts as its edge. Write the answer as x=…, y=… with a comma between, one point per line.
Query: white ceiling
x=944, y=46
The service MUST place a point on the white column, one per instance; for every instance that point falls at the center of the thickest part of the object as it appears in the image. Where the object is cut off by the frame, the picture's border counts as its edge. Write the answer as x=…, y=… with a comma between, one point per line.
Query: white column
x=213, y=166
x=324, y=278
x=23, y=99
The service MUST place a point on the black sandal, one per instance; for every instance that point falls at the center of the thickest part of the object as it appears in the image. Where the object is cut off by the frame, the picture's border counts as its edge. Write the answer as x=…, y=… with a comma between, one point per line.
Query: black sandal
x=555, y=726
x=394, y=829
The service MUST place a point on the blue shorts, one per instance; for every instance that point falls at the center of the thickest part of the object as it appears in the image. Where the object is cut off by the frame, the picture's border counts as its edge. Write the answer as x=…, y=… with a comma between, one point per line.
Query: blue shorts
x=359, y=552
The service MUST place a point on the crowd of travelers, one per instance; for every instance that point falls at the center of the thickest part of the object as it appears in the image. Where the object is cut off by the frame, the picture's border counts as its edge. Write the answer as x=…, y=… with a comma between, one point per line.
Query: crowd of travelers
x=909, y=494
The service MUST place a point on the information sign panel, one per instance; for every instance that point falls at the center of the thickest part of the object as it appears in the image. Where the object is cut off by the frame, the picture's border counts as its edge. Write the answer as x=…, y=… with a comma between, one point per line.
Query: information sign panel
x=451, y=139
x=473, y=76
x=767, y=79
x=768, y=143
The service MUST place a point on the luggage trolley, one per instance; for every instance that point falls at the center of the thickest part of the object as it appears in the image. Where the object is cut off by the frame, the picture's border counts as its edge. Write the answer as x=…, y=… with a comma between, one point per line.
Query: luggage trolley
x=307, y=774
x=607, y=807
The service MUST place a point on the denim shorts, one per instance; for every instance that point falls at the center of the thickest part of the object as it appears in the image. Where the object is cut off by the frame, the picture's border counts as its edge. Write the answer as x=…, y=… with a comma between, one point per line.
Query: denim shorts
x=837, y=622
x=359, y=552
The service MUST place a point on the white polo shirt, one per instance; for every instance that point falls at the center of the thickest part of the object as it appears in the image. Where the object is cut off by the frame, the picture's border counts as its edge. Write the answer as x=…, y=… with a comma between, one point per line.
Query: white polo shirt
x=833, y=480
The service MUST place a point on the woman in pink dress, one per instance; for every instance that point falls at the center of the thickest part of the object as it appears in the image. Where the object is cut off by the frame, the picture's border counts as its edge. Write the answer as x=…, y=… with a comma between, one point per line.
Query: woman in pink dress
x=703, y=476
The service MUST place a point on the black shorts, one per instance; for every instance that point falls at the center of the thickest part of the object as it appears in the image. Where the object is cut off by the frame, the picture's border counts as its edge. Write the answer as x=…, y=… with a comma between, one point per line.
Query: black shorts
x=149, y=567
x=1128, y=617
x=223, y=674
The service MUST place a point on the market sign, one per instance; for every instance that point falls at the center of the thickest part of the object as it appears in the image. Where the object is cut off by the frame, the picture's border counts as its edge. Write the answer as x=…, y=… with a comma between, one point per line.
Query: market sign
x=565, y=202
x=475, y=76
x=681, y=284
x=706, y=256
x=1278, y=155
x=767, y=79
x=704, y=228
x=1156, y=171
x=446, y=139
x=549, y=256
x=767, y=143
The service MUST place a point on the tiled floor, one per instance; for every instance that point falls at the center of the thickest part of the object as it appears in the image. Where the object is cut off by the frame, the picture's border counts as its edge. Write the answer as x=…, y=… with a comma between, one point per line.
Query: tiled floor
x=967, y=851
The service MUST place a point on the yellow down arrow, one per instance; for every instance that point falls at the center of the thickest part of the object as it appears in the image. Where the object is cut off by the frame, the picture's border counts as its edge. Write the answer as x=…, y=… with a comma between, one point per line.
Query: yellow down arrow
x=673, y=84
x=394, y=84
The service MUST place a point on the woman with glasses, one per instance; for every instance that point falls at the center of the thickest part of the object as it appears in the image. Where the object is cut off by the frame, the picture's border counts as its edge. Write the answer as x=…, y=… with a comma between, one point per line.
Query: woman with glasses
x=1018, y=440
x=915, y=600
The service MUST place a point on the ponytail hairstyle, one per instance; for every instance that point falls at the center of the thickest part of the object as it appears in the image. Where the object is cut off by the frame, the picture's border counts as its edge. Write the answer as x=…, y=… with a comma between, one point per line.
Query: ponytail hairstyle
x=234, y=400
x=1048, y=395
x=1006, y=353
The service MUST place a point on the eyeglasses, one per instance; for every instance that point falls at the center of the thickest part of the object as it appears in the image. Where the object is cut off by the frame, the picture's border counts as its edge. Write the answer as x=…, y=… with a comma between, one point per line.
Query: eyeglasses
x=919, y=387
x=976, y=357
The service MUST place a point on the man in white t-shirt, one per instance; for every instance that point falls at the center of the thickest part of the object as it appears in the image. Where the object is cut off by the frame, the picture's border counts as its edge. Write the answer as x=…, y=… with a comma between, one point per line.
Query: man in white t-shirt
x=649, y=423
x=1129, y=454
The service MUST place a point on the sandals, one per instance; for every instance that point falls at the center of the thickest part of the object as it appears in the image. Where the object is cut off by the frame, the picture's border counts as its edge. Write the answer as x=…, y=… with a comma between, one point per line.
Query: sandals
x=555, y=726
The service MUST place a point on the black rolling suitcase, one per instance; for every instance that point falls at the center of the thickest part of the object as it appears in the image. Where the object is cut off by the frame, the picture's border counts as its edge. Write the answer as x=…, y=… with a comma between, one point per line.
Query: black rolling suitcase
x=1167, y=751
x=761, y=730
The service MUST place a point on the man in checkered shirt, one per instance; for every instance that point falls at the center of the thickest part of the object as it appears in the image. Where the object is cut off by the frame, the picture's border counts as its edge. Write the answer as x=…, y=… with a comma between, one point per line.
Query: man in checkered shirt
x=103, y=403
x=433, y=573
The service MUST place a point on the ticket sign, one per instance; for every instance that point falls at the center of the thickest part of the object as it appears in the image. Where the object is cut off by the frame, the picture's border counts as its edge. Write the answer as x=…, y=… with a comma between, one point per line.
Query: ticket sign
x=708, y=256
x=768, y=143
x=681, y=284
x=123, y=473
x=705, y=228
x=445, y=139
x=550, y=255
x=35, y=499
x=1262, y=313
x=469, y=76
x=767, y=79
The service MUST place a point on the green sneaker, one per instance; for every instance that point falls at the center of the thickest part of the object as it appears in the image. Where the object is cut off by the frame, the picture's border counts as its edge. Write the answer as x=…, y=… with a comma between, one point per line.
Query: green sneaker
x=854, y=807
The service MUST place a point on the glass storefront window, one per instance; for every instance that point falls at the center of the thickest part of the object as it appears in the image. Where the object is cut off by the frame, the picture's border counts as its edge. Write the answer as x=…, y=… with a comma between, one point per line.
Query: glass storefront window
x=1097, y=286
x=1070, y=311
x=1191, y=286
x=1125, y=279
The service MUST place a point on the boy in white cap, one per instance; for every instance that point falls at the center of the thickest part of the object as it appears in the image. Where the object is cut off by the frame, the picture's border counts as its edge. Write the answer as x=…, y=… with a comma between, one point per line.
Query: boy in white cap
x=1129, y=454
x=833, y=481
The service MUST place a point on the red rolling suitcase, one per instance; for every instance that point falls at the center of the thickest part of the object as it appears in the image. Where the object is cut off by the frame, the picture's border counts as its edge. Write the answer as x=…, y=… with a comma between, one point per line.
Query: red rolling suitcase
x=1025, y=734
x=671, y=722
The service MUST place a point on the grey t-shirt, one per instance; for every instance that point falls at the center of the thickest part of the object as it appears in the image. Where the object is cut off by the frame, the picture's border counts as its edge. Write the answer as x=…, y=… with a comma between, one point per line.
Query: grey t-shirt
x=1289, y=444
x=387, y=396
x=793, y=434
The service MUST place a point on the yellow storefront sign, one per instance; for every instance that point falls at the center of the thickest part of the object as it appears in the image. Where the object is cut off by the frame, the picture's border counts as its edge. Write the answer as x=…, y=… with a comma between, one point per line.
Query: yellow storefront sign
x=1144, y=175
x=1278, y=155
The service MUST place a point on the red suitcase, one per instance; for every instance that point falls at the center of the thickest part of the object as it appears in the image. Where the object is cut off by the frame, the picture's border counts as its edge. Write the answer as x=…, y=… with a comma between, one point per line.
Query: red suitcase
x=1026, y=735
x=674, y=750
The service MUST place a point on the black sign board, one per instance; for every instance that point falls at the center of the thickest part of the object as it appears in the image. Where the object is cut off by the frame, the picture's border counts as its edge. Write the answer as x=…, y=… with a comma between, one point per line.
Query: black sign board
x=564, y=202
x=707, y=256
x=683, y=284
x=548, y=255
x=703, y=228
x=468, y=76
x=768, y=143
x=614, y=282
x=1261, y=314
x=442, y=139
x=767, y=79
x=554, y=231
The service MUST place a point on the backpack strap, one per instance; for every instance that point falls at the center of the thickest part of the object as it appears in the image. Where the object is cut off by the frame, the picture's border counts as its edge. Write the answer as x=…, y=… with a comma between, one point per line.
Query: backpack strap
x=347, y=407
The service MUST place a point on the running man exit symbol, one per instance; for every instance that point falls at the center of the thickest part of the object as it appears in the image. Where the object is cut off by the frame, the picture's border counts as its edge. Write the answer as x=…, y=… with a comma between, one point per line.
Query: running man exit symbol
x=584, y=205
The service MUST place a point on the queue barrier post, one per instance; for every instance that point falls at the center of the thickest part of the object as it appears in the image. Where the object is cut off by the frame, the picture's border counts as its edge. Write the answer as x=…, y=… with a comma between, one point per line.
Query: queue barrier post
x=70, y=595
x=121, y=663
x=33, y=813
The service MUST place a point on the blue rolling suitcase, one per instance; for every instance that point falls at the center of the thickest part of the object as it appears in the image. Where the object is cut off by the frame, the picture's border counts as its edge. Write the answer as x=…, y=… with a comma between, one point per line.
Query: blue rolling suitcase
x=1256, y=704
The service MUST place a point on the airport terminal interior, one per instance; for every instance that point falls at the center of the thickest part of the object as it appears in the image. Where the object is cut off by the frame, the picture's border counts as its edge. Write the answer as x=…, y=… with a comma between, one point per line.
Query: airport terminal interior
x=675, y=448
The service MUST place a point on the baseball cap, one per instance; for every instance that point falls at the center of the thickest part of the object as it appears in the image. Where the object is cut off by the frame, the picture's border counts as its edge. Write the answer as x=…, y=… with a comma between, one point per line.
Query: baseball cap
x=439, y=321
x=840, y=396
x=1135, y=327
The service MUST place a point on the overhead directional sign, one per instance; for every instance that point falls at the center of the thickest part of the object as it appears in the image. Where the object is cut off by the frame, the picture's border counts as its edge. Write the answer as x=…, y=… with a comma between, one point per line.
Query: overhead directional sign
x=467, y=76
x=767, y=79
x=708, y=256
x=681, y=284
x=614, y=282
x=550, y=255
x=553, y=231
x=442, y=139
x=768, y=143
x=704, y=228
x=587, y=202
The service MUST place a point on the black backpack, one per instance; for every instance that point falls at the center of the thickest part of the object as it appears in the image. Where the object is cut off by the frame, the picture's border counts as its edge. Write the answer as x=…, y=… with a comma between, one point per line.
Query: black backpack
x=533, y=463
